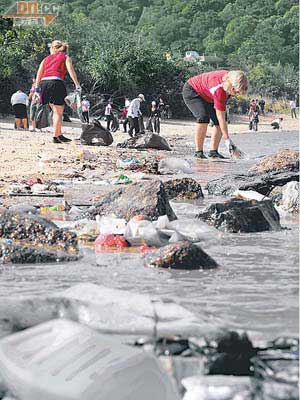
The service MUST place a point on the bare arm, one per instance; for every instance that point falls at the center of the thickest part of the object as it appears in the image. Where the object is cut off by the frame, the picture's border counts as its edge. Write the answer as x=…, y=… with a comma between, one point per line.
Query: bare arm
x=222, y=123
x=71, y=71
x=39, y=74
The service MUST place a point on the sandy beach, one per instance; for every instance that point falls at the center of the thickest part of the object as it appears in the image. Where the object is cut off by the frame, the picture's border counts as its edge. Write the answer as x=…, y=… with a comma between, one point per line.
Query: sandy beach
x=25, y=154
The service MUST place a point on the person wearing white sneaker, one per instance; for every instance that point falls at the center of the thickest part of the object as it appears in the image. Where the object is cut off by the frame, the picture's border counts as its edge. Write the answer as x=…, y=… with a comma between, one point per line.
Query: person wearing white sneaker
x=206, y=96
x=50, y=87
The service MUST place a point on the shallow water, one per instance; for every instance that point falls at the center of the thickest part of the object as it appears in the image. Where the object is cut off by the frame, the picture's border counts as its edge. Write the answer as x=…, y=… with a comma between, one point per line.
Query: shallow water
x=255, y=287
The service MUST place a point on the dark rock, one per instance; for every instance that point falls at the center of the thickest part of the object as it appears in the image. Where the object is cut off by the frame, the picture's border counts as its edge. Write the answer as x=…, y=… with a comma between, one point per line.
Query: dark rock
x=181, y=255
x=185, y=188
x=261, y=183
x=238, y=215
x=36, y=230
x=20, y=254
x=283, y=160
x=147, y=197
x=146, y=140
x=233, y=357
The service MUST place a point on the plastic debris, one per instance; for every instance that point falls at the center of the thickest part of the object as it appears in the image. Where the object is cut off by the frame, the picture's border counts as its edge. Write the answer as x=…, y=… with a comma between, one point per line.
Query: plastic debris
x=173, y=165
x=249, y=195
x=122, y=179
x=55, y=208
x=131, y=163
x=111, y=225
x=109, y=240
x=75, y=362
x=39, y=188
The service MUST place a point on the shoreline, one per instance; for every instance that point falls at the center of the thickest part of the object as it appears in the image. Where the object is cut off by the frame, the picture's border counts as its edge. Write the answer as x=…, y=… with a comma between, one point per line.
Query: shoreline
x=22, y=152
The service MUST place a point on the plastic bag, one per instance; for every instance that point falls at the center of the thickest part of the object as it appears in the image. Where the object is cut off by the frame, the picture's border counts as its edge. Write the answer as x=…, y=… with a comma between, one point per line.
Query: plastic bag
x=110, y=225
x=173, y=165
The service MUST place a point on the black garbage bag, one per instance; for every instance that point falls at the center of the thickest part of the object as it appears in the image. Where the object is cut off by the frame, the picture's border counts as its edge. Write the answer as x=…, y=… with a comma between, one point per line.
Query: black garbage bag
x=43, y=116
x=95, y=134
x=148, y=140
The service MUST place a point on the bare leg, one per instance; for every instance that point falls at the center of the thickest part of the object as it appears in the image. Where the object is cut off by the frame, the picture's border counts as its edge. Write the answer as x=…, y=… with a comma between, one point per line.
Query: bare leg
x=18, y=123
x=200, y=136
x=25, y=123
x=33, y=123
x=215, y=138
x=57, y=119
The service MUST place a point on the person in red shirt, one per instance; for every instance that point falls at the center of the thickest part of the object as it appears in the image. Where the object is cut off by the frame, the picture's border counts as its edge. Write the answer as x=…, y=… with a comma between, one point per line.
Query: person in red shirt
x=206, y=96
x=50, y=87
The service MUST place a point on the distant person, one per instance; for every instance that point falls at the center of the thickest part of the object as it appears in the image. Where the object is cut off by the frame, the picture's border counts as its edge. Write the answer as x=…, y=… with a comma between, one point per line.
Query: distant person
x=154, y=116
x=133, y=115
x=19, y=102
x=127, y=102
x=262, y=104
x=293, y=109
x=124, y=119
x=85, y=106
x=34, y=103
x=206, y=96
x=253, y=121
x=253, y=107
x=277, y=123
x=108, y=114
x=51, y=86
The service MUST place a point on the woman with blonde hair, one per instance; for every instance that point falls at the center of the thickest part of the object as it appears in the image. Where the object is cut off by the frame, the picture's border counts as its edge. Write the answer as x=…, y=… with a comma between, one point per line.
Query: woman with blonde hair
x=206, y=96
x=50, y=86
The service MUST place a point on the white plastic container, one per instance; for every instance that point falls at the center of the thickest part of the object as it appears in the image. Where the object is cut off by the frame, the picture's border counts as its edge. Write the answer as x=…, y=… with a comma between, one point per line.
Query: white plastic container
x=63, y=360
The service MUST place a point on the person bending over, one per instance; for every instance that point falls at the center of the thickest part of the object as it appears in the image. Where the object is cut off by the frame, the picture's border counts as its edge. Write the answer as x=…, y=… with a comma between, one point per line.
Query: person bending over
x=19, y=102
x=51, y=87
x=206, y=96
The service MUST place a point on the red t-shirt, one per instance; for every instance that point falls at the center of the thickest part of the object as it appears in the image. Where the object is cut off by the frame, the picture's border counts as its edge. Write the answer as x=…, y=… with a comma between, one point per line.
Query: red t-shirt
x=55, y=65
x=209, y=87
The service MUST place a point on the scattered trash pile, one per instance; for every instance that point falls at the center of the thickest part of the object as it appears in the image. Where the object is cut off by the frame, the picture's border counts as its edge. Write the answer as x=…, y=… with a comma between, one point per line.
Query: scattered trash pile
x=93, y=342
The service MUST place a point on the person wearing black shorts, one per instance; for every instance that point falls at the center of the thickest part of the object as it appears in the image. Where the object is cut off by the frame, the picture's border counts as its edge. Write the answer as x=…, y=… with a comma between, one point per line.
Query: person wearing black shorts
x=19, y=102
x=50, y=85
x=206, y=95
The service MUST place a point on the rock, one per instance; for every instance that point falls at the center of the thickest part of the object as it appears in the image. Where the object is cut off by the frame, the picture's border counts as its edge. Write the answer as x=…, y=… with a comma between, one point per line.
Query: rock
x=238, y=216
x=181, y=255
x=146, y=140
x=234, y=353
x=11, y=253
x=23, y=209
x=275, y=170
x=283, y=160
x=36, y=230
x=262, y=183
x=183, y=189
x=148, y=198
x=105, y=309
x=287, y=197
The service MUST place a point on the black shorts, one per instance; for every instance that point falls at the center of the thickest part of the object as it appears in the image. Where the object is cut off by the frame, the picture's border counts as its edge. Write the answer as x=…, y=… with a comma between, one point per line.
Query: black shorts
x=20, y=111
x=201, y=109
x=53, y=91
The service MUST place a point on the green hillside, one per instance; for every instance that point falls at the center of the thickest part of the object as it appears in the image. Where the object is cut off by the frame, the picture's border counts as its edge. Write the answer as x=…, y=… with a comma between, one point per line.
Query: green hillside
x=120, y=47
